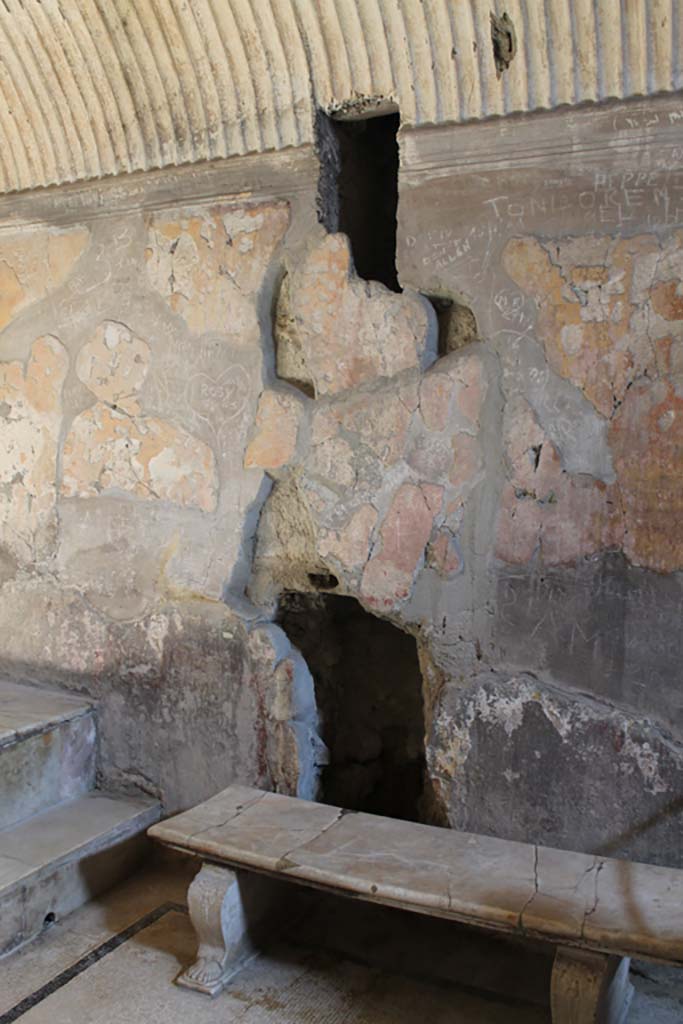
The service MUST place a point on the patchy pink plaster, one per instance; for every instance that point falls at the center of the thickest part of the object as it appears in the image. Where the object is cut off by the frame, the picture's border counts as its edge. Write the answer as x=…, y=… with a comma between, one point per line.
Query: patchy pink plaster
x=456, y=384
x=110, y=451
x=403, y=535
x=589, y=316
x=114, y=365
x=374, y=445
x=113, y=447
x=647, y=443
x=208, y=266
x=378, y=420
x=433, y=495
x=443, y=554
x=277, y=426
x=436, y=391
x=467, y=373
x=610, y=315
x=346, y=331
x=35, y=262
x=563, y=515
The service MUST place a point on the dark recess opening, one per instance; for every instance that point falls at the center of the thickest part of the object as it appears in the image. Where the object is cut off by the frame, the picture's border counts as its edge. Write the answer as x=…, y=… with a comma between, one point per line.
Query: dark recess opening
x=368, y=689
x=363, y=158
x=457, y=323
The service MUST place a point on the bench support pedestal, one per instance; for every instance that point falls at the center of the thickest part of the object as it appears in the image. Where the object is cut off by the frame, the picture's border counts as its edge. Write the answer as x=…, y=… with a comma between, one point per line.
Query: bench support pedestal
x=589, y=988
x=226, y=909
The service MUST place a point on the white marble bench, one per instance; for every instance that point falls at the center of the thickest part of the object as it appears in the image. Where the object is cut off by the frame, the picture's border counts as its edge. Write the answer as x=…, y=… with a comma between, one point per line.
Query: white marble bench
x=597, y=911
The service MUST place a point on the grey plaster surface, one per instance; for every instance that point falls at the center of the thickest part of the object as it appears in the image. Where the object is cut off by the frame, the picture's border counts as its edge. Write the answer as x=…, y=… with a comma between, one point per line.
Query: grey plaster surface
x=534, y=739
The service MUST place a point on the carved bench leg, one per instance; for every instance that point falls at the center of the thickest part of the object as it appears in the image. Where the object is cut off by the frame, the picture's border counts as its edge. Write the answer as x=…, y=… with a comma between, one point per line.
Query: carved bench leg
x=589, y=988
x=226, y=908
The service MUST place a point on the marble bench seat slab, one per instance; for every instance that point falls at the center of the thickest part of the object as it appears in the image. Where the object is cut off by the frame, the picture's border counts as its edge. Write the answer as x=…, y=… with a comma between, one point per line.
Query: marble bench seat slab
x=639, y=907
x=568, y=898
x=606, y=904
x=465, y=877
x=378, y=859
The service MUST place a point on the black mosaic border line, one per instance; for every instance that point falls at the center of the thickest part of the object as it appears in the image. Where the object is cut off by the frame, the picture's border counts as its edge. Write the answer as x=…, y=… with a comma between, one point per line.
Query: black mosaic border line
x=89, y=960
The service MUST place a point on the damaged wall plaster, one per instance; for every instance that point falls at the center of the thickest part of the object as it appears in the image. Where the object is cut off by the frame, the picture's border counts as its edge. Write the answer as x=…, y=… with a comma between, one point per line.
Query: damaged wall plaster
x=335, y=331
x=571, y=264
x=466, y=502
x=511, y=503
x=125, y=510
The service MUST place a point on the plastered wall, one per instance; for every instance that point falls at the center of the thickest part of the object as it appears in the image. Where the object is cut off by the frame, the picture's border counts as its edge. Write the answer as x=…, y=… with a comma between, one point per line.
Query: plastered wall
x=563, y=235
x=136, y=338
x=204, y=406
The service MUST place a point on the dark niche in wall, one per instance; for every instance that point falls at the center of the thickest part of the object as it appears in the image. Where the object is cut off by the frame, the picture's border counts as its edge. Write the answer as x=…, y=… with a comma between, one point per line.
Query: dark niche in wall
x=358, y=190
x=368, y=688
x=456, y=322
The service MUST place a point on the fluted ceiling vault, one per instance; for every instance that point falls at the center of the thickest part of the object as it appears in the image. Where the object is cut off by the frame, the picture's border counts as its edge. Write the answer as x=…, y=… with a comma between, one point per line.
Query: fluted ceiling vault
x=98, y=87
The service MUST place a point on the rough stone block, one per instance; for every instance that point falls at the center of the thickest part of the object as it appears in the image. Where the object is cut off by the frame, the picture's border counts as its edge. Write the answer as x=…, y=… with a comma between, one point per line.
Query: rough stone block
x=536, y=741
x=277, y=426
x=389, y=575
x=335, y=331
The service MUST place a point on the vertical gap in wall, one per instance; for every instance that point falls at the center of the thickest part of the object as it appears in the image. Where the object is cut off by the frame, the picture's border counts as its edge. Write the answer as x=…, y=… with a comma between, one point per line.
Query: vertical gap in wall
x=369, y=692
x=359, y=163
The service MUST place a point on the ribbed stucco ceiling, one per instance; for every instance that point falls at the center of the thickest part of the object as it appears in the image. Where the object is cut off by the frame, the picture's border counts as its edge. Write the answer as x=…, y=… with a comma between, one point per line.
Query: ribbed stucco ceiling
x=97, y=87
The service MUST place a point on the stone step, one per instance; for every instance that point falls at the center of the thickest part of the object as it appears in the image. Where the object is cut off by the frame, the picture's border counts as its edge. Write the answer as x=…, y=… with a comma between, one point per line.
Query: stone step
x=61, y=858
x=48, y=745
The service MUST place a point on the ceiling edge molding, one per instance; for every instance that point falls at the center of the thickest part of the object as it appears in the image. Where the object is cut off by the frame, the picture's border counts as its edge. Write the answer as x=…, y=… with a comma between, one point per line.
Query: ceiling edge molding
x=90, y=88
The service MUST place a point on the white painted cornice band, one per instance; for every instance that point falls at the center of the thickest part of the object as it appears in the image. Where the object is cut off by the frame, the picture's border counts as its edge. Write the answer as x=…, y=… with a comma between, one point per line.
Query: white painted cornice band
x=99, y=87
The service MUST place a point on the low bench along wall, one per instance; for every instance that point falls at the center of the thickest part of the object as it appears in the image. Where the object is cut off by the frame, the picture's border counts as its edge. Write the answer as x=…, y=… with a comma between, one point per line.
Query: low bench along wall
x=597, y=911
